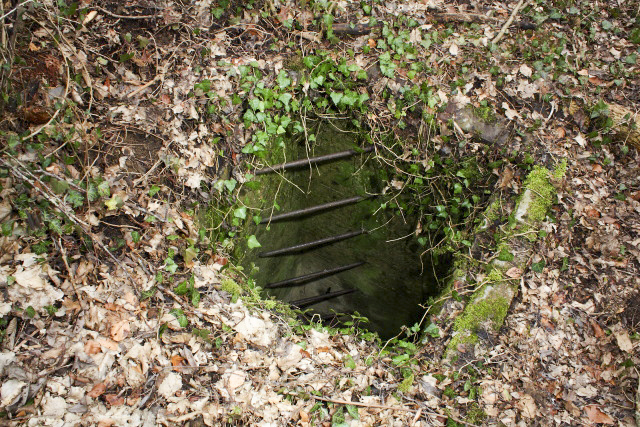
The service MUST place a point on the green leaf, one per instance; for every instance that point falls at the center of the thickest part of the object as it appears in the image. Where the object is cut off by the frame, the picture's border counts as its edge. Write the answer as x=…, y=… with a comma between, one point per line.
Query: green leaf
x=179, y=314
x=162, y=329
x=353, y=411
x=400, y=360
x=336, y=97
x=190, y=253
x=349, y=362
x=58, y=186
x=195, y=298
x=350, y=98
x=30, y=312
x=135, y=236
x=7, y=228
x=230, y=184
x=285, y=98
x=153, y=190
x=103, y=189
x=252, y=242
x=124, y=57
x=283, y=80
x=433, y=330
x=240, y=212
x=181, y=289
x=75, y=199
x=538, y=266
x=114, y=203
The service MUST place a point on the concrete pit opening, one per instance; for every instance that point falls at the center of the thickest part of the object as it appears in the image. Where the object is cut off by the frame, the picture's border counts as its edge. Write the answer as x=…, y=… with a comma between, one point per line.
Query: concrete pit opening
x=331, y=241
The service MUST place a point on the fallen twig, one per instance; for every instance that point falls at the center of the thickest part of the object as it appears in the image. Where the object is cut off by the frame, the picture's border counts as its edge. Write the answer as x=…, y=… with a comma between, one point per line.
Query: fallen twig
x=115, y=15
x=509, y=21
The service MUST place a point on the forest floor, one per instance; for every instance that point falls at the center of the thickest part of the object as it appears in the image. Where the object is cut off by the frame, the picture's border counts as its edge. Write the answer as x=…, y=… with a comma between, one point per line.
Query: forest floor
x=123, y=121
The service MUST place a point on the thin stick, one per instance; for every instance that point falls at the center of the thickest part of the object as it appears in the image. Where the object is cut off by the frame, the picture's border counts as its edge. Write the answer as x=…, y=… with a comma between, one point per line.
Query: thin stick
x=368, y=405
x=72, y=276
x=509, y=21
x=114, y=15
x=14, y=9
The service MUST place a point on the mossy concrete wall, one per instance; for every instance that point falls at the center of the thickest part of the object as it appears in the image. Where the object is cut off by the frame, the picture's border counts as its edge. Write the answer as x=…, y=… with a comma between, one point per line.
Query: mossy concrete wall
x=484, y=314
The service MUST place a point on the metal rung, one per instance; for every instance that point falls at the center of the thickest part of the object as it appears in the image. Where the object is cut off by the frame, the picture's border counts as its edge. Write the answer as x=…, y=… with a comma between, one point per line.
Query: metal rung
x=313, y=209
x=311, y=277
x=306, y=302
x=314, y=160
x=311, y=245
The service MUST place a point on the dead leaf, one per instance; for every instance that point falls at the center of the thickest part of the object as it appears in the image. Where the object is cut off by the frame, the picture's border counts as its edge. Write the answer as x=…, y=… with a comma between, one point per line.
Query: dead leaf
x=597, y=330
x=92, y=347
x=176, y=362
x=114, y=399
x=560, y=132
x=120, y=330
x=528, y=406
x=514, y=272
x=35, y=115
x=622, y=338
x=592, y=213
x=33, y=47
x=525, y=70
x=97, y=390
x=505, y=179
x=597, y=416
x=597, y=168
x=305, y=353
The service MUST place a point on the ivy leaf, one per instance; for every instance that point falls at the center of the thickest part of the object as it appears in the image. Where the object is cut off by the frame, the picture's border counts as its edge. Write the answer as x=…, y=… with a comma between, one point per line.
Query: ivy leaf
x=181, y=289
x=103, y=189
x=190, y=253
x=336, y=97
x=433, y=330
x=75, y=199
x=538, y=266
x=240, y=212
x=285, y=98
x=58, y=186
x=230, y=184
x=114, y=203
x=195, y=298
x=283, y=80
x=179, y=314
x=349, y=362
x=252, y=242
x=350, y=98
